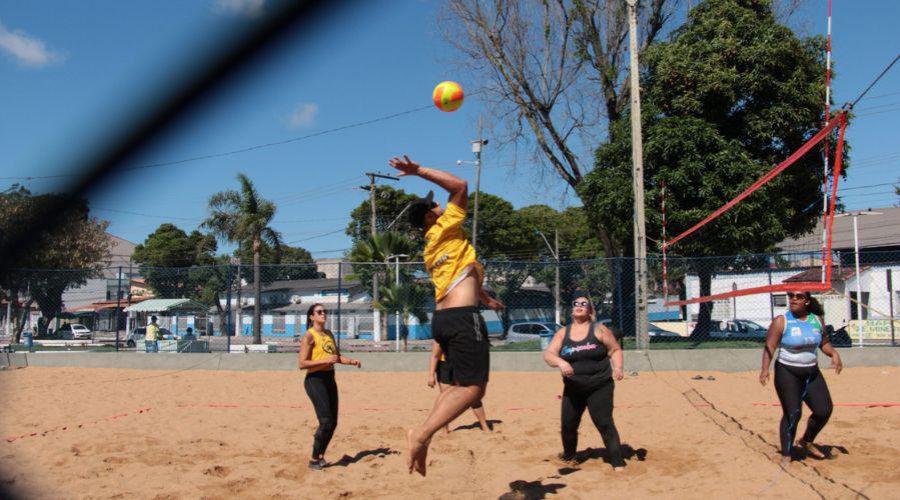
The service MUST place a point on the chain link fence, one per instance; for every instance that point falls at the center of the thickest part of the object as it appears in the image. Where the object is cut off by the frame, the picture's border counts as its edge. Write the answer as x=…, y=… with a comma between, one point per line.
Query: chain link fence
x=388, y=306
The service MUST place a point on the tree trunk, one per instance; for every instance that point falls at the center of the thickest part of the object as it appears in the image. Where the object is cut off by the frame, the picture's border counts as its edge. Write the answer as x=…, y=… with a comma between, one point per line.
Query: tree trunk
x=701, y=331
x=257, y=293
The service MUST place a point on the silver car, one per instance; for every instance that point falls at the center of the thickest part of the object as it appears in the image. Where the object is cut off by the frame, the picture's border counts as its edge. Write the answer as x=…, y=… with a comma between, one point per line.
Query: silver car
x=521, y=332
x=74, y=331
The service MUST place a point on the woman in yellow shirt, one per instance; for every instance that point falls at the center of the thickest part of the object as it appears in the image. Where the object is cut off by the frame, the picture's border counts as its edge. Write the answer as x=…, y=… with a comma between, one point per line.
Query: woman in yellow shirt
x=318, y=355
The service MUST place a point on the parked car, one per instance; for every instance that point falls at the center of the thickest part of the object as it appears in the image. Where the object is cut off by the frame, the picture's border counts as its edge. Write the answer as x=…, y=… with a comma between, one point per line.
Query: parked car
x=136, y=337
x=521, y=332
x=740, y=329
x=74, y=331
x=656, y=332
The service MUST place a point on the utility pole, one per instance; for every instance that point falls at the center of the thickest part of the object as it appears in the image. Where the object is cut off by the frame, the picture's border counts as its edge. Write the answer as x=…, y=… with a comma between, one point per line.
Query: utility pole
x=557, y=312
x=637, y=157
x=375, y=296
x=240, y=310
x=476, y=148
x=859, y=298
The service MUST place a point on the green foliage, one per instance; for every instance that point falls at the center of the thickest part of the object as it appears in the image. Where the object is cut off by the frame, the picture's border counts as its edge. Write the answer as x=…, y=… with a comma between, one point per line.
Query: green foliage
x=376, y=249
x=729, y=96
x=732, y=94
x=244, y=217
x=167, y=256
x=76, y=248
x=389, y=203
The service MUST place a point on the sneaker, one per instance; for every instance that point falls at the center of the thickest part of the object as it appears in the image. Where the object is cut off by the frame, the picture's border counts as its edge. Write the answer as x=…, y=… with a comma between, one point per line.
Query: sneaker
x=317, y=464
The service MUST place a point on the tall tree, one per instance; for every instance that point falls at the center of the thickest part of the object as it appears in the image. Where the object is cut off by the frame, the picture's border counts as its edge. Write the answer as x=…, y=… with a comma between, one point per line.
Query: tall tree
x=164, y=258
x=66, y=257
x=732, y=94
x=389, y=206
x=555, y=71
x=244, y=217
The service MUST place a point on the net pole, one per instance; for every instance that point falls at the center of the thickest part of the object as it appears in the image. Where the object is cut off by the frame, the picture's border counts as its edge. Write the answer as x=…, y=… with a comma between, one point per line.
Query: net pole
x=825, y=142
x=838, y=164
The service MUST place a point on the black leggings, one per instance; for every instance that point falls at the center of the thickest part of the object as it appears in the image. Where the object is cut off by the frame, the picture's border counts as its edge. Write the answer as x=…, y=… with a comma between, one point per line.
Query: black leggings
x=598, y=398
x=794, y=385
x=322, y=391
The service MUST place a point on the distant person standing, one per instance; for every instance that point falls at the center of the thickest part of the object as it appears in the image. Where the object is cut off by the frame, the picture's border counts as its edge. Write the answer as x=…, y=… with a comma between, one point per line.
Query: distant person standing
x=150, y=340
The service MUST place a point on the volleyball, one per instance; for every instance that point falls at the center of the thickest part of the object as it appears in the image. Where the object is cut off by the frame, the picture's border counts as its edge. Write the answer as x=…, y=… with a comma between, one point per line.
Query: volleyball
x=448, y=96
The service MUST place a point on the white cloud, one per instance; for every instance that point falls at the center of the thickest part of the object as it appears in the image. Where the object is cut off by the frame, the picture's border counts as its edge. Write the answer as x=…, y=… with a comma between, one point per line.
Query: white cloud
x=304, y=116
x=247, y=8
x=25, y=48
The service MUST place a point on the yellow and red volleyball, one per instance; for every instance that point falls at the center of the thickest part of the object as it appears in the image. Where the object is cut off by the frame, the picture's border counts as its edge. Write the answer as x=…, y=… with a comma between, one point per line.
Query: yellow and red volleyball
x=448, y=96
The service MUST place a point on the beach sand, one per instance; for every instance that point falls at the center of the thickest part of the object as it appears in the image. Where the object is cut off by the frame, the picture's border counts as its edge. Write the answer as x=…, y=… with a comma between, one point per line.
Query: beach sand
x=113, y=433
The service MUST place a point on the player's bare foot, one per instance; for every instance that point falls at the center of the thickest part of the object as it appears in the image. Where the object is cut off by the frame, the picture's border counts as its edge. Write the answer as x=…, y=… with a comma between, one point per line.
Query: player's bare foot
x=785, y=462
x=811, y=450
x=620, y=468
x=416, y=453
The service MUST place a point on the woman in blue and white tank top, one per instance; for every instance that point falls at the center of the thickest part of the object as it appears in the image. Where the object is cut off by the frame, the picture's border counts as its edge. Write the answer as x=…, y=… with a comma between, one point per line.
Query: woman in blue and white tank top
x=589, y=359
x=797, y=335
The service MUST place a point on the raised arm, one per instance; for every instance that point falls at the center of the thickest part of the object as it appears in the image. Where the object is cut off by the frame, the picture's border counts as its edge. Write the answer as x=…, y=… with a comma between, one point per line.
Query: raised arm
x=457, y=187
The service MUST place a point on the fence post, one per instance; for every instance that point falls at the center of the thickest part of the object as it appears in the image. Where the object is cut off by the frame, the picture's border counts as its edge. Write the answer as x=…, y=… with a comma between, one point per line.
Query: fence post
x=118, y=305
x=229, y=328
x=771, y=298
x=618, y=261
x=890, y=287
x=339, y=287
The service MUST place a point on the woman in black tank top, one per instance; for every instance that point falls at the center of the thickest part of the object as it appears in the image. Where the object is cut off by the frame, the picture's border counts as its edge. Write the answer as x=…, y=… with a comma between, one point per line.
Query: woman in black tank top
x=589, y=358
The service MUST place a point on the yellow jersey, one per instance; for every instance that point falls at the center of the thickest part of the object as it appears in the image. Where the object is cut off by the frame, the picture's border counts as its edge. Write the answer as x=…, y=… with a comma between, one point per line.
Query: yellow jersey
x=152, y=332
x=449, y=256
x=323, y=348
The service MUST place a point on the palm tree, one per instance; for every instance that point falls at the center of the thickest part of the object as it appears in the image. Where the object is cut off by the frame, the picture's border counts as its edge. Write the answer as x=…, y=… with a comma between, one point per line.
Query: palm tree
x=376, y=249
x=406, y=299
x=244, y=217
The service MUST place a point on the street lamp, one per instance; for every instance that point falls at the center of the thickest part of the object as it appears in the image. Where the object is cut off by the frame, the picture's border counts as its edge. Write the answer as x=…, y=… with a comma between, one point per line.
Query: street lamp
x=397, y=282
x=855, y=215
x=555, y=255
x=476, y=148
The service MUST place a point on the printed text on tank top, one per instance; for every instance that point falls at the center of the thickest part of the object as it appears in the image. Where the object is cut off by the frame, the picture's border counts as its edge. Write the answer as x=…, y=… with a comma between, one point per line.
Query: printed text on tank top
x=799, y=340
x=586, y=356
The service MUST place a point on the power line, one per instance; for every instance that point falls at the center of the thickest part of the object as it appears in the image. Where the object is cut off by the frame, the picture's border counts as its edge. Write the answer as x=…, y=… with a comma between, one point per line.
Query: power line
x=883, y=72
x=239, y=151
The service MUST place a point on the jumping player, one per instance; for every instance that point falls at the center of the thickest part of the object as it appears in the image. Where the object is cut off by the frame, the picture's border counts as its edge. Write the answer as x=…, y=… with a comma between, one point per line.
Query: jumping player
x=457, y=324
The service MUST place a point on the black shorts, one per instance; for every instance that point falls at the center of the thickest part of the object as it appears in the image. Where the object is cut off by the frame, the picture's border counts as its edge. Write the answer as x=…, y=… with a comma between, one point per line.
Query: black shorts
x=444, y=375
x=462, y=334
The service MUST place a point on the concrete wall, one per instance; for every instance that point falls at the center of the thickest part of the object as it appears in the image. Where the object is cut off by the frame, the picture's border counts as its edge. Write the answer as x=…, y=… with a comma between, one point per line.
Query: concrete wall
x=730, y=360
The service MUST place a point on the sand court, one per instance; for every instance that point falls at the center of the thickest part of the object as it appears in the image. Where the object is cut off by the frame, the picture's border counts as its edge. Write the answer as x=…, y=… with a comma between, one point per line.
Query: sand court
x=118, y=433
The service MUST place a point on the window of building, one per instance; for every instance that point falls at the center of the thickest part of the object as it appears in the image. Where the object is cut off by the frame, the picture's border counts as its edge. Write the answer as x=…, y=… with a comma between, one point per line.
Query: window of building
x=779, y=300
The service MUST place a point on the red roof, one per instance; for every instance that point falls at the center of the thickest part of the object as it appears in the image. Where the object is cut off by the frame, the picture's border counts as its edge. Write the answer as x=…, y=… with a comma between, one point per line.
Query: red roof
x=814, y=274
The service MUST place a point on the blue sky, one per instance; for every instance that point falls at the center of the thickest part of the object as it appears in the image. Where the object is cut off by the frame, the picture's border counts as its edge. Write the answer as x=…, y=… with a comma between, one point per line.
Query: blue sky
x=70, y=70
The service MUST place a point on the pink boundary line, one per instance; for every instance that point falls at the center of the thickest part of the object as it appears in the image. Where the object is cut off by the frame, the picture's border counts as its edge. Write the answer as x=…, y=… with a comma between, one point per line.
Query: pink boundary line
x=862, y=405
x=10, y=439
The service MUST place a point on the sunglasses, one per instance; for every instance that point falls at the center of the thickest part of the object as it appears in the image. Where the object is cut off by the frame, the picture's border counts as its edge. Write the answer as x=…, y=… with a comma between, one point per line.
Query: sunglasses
x=581, y=303
x=321, y=312
x=801, y=295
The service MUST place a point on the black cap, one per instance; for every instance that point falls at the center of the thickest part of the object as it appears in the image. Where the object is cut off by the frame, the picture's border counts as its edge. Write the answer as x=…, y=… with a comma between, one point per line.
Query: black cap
x=419, y=207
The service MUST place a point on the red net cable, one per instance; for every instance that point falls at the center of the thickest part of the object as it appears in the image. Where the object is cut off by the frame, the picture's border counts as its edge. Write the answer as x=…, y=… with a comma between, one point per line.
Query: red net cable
x=840, y=119
x=828, y=220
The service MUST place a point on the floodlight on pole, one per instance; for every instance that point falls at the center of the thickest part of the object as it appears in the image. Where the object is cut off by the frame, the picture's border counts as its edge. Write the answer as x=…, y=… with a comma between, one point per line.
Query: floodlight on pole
x=855, y=215
x=396, y=258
